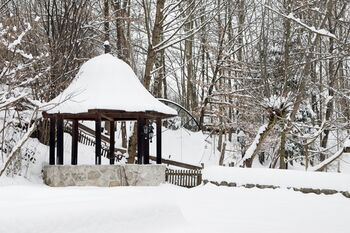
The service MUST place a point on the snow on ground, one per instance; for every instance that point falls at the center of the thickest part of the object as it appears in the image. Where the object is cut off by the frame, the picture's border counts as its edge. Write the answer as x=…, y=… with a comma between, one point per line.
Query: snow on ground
x=205, y=209
x=188, y=147
x=33, y=207
x=277, y=177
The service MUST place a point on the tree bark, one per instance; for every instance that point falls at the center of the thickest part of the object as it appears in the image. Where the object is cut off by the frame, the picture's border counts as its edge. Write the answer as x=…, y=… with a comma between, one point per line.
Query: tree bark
x=106, y=44
x=153, y=40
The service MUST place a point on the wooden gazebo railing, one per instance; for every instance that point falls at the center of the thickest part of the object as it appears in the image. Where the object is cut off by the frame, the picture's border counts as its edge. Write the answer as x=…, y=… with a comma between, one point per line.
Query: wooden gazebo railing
x=85, y=136
x=97, y=115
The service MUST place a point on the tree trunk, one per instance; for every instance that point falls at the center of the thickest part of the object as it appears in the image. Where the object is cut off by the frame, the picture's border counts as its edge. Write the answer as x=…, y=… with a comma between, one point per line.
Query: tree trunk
x=124, y=136
x=249, y=161
x=222, y=154
x=106, y=44
x=331, y=83
x=132, y=146
x=123, y=45
x=191, y=87
x=285, y=90
x=154, y=40
x=282, y=152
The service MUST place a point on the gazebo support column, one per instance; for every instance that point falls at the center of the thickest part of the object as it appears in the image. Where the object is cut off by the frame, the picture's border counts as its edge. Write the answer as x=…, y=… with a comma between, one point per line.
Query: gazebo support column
x=98, y=140
x=146, y=145
x=111, y=142
x=159, y=140
x=75, y=132
x=60, y=142
x=140, y=140
x=52, y=140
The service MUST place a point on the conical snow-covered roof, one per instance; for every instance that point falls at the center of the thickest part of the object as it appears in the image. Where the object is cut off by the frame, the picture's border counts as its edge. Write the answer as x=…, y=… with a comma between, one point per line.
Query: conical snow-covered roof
x=106, y=82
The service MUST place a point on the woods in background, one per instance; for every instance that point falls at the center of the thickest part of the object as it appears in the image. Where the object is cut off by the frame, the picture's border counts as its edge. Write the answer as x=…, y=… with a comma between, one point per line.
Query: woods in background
x=269, y=76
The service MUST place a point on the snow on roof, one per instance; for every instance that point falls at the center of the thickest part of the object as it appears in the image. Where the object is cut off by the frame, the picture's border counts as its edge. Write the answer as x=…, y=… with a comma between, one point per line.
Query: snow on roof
x=106, y=82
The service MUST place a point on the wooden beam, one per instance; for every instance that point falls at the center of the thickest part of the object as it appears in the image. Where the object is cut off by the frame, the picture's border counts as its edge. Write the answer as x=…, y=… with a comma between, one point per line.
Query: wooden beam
x=105, y=117
x=109, y=114
x=111, y=142
x=75, y=132
x=60, y=141
x=98, y=140
x=52, y=141
x=159, y=140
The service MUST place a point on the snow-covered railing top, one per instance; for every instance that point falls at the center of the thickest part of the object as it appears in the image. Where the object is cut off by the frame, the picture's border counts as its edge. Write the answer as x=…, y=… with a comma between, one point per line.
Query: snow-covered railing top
x=106, y=82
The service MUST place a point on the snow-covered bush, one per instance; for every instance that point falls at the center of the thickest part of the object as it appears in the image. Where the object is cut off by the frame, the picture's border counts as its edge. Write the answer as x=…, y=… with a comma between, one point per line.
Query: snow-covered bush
x=18, y=110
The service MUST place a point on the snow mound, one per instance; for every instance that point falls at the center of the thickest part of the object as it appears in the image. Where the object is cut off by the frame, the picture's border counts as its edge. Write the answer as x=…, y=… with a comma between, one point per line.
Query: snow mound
x=88, y=210
x=106, y=82
x=282, y=178
x=166, y=208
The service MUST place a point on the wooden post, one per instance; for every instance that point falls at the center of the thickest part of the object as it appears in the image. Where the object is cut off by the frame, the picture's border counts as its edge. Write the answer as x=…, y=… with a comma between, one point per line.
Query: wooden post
x=75, y=135
x=111, y=142
x=98, y=140
x=52, y=140
x=159, y=141
x=59, y=140
x=146, y=145
x=140, y=140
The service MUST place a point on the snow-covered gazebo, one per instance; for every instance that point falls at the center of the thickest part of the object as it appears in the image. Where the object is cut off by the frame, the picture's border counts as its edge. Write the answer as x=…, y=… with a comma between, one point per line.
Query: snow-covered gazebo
x=105, y=89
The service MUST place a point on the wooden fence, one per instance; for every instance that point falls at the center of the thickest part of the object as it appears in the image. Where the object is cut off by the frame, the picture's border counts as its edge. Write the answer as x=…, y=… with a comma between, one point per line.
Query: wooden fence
x=184, y=178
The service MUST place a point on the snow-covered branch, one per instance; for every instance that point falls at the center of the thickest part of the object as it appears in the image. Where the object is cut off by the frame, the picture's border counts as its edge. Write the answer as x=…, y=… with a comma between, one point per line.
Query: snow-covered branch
x=321, y=31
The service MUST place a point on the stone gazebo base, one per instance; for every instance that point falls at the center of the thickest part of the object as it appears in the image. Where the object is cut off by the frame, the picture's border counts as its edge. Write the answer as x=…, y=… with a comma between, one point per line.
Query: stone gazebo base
x=104, y=175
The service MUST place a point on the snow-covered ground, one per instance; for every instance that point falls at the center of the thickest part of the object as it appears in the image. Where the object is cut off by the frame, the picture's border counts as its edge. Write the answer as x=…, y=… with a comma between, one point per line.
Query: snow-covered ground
x=38, y=208
x=188, y=147
x=28, y=206
x=31, y=207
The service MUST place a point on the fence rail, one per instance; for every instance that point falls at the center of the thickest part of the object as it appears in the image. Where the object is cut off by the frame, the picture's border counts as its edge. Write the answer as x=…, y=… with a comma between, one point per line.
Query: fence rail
x=86, y=136
x=89, y=141
x=176, y=163
x=184, y=178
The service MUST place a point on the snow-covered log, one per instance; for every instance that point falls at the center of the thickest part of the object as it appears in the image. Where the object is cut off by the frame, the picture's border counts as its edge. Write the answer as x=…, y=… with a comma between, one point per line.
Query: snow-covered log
x=254, y=147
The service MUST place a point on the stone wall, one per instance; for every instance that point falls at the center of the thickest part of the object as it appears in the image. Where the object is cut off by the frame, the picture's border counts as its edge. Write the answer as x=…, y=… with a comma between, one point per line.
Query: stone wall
x=303, y=190
x=104, y=175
